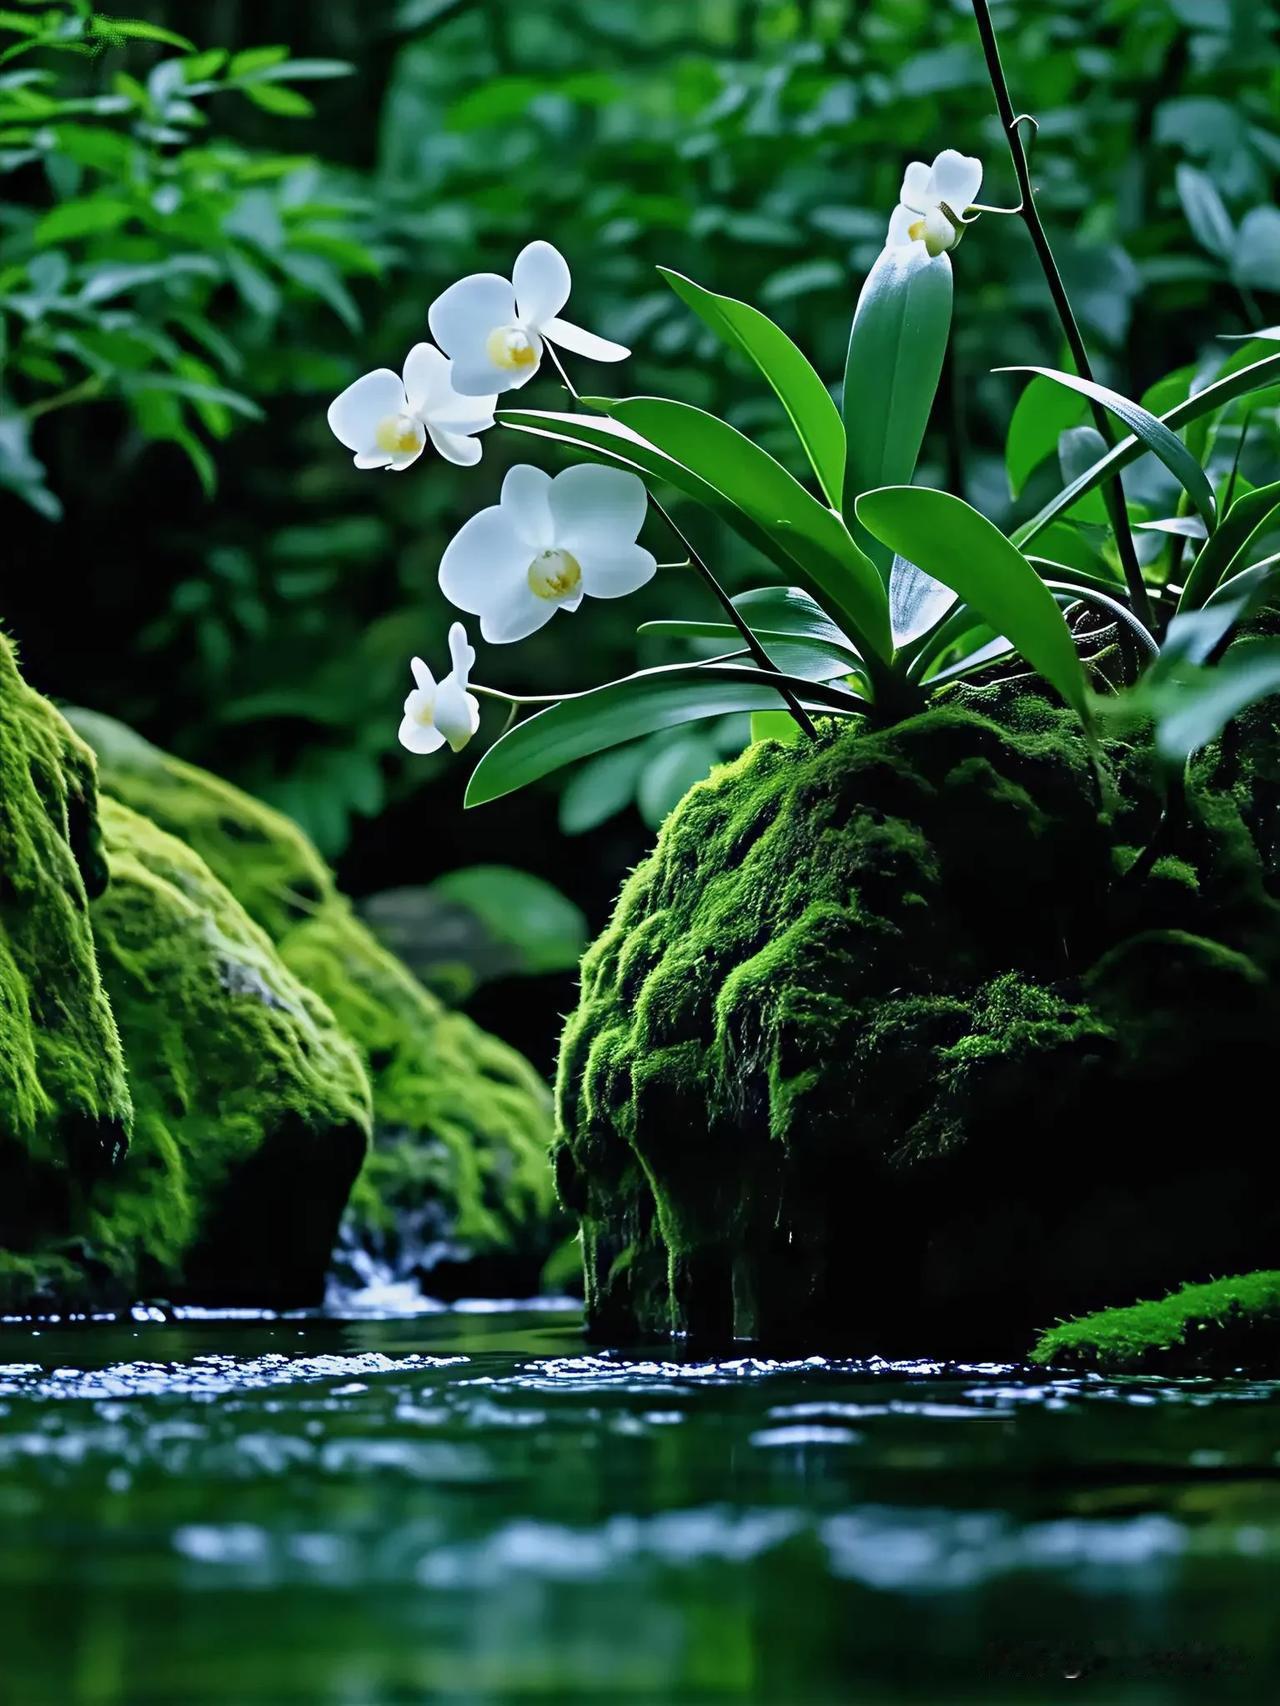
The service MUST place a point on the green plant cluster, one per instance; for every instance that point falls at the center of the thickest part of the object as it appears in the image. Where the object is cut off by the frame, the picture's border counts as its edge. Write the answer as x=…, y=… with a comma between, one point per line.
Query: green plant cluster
x=761, y=145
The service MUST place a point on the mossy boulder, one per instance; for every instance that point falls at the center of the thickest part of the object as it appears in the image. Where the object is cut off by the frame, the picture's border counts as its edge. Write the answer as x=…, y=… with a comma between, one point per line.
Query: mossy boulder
x=458, y=1178
x=179, y=1116
x=65, y=1110
x=252, y=1108
x=1214, y=1328
x=880, y=1048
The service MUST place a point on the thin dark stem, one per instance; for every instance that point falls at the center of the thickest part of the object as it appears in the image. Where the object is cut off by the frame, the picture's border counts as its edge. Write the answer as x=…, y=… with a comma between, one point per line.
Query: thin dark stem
x=750, y=640
x=1011, y=123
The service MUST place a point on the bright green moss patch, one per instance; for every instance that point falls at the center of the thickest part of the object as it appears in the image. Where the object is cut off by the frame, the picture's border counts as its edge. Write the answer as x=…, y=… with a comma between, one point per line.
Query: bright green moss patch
x=462, y=1122
x=252, y=1106
x=877, y=1050
x=65, y=1110
x=1226, y=1324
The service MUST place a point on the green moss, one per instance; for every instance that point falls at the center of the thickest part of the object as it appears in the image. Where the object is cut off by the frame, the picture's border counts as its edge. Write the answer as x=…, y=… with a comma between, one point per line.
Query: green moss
x=875, y=1028
x=1226, y=1324
x=252, y=1107
x=462, y=1122
x=65, y=1111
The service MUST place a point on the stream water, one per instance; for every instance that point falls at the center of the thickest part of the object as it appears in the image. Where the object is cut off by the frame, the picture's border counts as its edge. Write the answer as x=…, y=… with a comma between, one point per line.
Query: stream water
x=472, y=1505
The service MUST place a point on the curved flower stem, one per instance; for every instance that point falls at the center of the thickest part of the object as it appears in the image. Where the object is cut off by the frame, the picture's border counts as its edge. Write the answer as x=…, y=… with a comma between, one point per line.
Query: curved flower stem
x=752, y=644
x=1011, y=122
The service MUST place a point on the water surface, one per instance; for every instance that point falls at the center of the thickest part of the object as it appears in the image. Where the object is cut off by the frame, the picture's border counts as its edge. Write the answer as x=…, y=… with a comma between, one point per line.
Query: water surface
x=471, y=1505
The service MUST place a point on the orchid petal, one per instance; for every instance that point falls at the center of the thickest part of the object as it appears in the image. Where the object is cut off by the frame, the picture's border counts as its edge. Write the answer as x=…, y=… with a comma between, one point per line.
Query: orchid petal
x=957, y=178
x=541, y=281
x=596, y=508
x=486, y=564
x=583, y=343
x=615, y=573
x=526, y=500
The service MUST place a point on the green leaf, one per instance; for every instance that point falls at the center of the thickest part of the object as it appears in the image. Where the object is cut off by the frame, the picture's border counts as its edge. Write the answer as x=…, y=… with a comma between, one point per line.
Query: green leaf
x=671, y=772
x=136, y=29
x=810, y=660
x=1221, y=555
x=951, y=541
x=1209, y=220
x=1215, y=396
x=809, y=405
x=1155, y=435
x=1044, y=411
x=547, y=931
x=255, y=59
x=82, y=218
x=775, y=725
x=812, y=535
x=896, y=350
x=277, y=99
x=738, y=481
x=1192, y=706
x=604, y=786
x=640, y=704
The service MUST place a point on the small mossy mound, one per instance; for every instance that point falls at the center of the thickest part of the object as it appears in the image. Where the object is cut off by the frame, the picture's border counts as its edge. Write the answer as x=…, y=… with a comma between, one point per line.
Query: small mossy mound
x=65, y=1111
x=458, y=1176
x=879, y=1048
x=1200, y=1329
x=251, y=1105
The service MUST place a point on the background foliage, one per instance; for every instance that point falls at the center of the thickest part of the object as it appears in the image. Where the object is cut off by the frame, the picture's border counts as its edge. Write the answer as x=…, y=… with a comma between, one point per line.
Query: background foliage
x=198, y=248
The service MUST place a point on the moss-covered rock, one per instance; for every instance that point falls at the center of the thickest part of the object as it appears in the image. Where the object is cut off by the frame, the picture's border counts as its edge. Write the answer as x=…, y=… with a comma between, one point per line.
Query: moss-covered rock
x=65, y=1111
x=1199, y=1329
x=251, y=1105
x=178, y=1114
x=462, y=1122
x=879, y=1047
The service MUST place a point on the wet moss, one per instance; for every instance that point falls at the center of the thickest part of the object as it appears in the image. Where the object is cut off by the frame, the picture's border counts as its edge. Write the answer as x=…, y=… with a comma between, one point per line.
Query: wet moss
x=65, y=1109
x=462, y=1121
x=879, y=1046
x=252, y=1107
x=1214, y=1328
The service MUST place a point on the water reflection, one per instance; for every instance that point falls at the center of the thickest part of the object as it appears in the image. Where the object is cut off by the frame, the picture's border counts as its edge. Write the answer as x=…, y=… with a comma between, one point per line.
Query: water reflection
x=465, y=1504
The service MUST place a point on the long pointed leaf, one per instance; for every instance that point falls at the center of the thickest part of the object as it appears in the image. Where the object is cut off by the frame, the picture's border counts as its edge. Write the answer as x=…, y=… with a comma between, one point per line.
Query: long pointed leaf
x=1155, y=435
x=1247, y=516
x=640, y=704
x=809, y=405
x=1215, y=396
x=952, y=542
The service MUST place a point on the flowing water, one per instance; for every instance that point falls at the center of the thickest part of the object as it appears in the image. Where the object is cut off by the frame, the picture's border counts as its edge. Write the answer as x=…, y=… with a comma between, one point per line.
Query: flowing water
x=472, y=1505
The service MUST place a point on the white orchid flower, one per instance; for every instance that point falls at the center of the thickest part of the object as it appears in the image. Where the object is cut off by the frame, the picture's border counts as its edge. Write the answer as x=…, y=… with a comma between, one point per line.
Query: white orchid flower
x=434, y=714
x=919, y=217
x=494, y=328
x=546, y=545
x=386, y=419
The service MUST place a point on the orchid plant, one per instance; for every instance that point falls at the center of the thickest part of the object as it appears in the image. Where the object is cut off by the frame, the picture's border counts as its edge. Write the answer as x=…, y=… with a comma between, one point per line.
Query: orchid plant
x=885, y=592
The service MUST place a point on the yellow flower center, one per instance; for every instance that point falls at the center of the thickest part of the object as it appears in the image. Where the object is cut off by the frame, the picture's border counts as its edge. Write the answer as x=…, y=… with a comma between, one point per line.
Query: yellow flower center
x=511, y=348
x=555, y=574
x=398, y=435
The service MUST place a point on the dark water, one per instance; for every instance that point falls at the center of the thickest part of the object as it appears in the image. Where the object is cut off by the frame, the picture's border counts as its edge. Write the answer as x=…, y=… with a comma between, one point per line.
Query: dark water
x=472, y=1507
